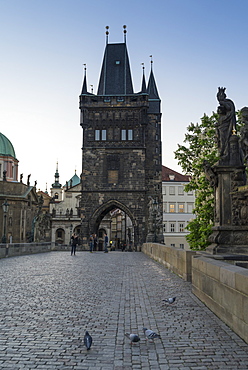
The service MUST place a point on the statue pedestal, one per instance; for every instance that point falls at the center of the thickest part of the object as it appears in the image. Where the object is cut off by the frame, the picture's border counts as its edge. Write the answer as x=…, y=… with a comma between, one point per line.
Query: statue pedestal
x=230, y=234
x=228, y=239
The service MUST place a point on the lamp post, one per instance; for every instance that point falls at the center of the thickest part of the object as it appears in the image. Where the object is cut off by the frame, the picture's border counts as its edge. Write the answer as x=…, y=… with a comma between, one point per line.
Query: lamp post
x=5, y=206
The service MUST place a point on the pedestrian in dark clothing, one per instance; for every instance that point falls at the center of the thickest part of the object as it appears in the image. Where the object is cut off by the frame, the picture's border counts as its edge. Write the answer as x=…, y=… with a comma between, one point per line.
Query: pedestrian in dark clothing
x=95, y=242
x=74, y=243
x=106, y=243
x=91, y=243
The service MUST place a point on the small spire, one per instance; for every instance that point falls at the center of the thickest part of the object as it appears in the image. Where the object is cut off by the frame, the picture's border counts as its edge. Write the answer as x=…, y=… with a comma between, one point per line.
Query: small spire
x=143, y=84
x=125, y=33
x=84, y=88
x=91, y=88
x=107, y=34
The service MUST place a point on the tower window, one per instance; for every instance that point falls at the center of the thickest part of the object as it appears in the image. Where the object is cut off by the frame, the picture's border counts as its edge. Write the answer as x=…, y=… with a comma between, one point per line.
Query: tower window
x=100, y=135
x=113, y=176
x=127, y=135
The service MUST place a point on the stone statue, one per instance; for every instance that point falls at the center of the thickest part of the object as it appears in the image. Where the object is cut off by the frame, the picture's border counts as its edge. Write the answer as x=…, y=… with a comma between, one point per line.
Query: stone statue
x=210, y=174
x=244, y=134
x=28, y=180
x=226, y=125
x=21, y=177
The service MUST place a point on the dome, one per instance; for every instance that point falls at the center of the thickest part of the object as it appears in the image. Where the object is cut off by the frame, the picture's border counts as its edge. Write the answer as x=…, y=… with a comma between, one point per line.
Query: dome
x=6, y=148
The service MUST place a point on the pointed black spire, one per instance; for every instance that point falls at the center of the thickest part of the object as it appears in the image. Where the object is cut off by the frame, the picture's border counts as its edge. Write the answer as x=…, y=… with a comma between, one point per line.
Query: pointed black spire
x=143, y=84
x=84, y=88
x=154, y=99
x=115, y=78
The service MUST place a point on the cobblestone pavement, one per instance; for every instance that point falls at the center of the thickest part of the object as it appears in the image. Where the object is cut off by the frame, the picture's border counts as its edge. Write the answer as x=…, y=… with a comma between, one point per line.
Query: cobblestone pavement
x=49, y=300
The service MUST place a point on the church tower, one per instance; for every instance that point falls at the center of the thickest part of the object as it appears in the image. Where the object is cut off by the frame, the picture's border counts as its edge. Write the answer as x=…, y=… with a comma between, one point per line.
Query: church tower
x=121, y=154
x=56, y=189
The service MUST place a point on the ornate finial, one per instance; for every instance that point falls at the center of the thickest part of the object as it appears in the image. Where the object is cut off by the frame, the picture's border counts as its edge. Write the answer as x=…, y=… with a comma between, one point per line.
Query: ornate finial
x=151, y=61
x=143, y=66
x=84, y=67
x=107, y=33
x=125, y=32
x=91, y=88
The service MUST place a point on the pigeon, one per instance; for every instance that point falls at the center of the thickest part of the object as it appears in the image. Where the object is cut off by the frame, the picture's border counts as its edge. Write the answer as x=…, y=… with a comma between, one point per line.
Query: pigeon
x=133, y=337
x=150, y=334
x=170, y=300
x=87, y=340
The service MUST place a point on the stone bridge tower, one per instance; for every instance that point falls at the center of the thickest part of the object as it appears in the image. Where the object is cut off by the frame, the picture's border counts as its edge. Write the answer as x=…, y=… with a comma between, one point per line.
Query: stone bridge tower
x=121, y=153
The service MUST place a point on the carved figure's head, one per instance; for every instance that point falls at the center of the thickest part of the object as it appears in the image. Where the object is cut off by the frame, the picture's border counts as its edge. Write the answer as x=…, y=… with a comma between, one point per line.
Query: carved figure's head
x=221, y=95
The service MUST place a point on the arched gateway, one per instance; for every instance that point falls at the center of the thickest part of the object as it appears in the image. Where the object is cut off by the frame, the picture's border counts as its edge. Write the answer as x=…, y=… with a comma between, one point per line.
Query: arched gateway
x=121, y=154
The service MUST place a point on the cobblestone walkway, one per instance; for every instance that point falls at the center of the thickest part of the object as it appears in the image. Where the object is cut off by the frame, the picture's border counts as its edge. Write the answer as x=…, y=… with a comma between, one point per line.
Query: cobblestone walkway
x=49, y=300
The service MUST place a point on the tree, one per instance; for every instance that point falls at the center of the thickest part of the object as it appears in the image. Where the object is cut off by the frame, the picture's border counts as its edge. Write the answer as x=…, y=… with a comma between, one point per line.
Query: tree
x=201, y=145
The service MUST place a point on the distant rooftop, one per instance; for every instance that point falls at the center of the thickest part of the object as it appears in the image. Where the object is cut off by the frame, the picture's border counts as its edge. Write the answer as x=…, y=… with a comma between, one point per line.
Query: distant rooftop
x=170, y=175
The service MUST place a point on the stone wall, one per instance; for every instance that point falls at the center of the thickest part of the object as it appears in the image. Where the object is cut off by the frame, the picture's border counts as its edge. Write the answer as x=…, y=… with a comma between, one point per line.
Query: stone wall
x=176, y=260
x=18, y=249
x=224, y=289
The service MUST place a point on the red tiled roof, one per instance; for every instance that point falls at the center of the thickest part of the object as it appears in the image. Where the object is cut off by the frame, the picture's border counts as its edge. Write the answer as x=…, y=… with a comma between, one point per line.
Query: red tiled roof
x=167, y=173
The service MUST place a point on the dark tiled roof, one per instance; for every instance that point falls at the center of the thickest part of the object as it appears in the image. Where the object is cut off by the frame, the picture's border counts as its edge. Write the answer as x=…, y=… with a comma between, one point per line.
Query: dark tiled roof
x=168, y=174
x=115, y=75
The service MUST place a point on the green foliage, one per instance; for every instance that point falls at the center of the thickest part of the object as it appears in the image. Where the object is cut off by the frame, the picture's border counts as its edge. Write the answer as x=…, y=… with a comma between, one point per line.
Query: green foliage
x=200, y=145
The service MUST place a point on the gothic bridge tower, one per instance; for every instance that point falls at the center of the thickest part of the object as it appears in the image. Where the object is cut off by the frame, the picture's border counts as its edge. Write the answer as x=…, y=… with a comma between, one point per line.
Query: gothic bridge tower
x=121, y=153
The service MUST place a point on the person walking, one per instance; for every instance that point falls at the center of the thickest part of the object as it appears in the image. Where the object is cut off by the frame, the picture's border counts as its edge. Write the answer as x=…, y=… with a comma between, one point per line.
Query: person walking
x=74, y=243
x=106, y=243
x=95, y=242
x=91, y=243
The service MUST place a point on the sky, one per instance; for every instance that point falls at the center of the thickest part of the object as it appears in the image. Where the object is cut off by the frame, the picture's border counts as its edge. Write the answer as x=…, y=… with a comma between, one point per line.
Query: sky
x=197, y=46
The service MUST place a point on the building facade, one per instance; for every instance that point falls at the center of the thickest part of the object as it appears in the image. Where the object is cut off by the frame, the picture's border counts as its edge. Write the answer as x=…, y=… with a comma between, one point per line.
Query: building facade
x=178, y=208
x=64, y=209
x=20, y=205
x=121, y=154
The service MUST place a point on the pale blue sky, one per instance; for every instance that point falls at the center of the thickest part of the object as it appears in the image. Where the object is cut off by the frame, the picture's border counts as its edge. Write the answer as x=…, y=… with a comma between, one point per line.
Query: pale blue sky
x=197, y=45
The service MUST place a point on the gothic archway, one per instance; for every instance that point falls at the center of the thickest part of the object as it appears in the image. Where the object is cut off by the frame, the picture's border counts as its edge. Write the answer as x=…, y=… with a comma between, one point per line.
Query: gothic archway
x=104, y=209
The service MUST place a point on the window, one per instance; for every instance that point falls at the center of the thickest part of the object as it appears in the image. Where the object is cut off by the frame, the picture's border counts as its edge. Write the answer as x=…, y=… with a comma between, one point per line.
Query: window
x=100, y=135
x=164, y=228
x=181, y=227
x=127, y=134
x=163, y=189
x=97, y=135
x=181, y=246
x=181, y=208
x=190, y=207
x=172, y=208
x=172, y=227
x=172, y=190
x=113, y=176
x=180, y=190
x=104, y=135
x=173, y=245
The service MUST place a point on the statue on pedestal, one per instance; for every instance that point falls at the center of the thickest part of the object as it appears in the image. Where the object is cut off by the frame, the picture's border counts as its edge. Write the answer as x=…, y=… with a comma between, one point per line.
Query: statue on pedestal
x=226, y=125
